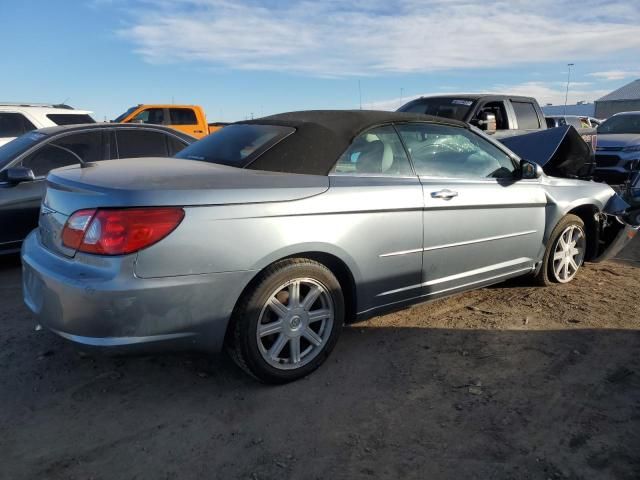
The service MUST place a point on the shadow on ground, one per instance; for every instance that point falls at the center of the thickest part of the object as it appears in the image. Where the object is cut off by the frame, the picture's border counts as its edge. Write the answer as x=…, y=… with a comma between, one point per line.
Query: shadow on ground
x=389, y=403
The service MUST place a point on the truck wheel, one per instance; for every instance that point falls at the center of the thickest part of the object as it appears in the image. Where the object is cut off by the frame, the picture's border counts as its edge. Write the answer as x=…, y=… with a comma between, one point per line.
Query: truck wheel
x=288, y=323
x=565, y=252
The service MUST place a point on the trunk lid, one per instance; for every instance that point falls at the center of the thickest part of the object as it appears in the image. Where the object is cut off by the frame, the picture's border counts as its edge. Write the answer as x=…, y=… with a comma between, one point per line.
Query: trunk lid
x=161, y=182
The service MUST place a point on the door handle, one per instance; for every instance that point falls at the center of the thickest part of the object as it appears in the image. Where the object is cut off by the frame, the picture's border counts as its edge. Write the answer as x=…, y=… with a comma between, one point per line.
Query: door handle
x=198, y=131
x=445, y=194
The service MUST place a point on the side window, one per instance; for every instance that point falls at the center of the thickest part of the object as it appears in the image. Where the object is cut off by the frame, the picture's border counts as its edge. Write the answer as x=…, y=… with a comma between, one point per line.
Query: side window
x=526, y=115
x=141, y=143
x=47, y=158
x=175, y=145
x=14, y=125
x=378, y=151
x=574, y=122
x=182, y=116
x=69, y=118
x=88, y=145
x=454, y=152
x=154, y=116
x=499, y=111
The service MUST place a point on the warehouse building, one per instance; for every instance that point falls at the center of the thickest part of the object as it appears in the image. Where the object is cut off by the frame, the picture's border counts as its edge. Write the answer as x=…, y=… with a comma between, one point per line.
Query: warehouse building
x=624, y=99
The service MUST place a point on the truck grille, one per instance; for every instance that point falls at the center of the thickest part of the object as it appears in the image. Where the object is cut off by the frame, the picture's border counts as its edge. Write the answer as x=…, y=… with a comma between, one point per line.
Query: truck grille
x=607, y=160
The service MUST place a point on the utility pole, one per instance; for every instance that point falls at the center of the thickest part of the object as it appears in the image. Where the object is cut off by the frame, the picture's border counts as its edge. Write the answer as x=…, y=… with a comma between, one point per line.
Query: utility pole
x=566, y=95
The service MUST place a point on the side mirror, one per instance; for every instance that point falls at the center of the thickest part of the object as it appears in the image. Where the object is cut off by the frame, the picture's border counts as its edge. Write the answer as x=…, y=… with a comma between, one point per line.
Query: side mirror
x=530, y=170
x=15, y=175
x=487, y=122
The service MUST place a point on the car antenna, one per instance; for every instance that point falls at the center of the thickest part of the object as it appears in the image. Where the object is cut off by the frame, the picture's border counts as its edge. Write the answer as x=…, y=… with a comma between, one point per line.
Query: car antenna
x=83, y=164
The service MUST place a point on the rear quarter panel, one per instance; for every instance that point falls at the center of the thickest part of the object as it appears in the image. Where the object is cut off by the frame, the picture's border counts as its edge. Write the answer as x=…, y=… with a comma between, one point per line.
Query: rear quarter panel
x=250, y=237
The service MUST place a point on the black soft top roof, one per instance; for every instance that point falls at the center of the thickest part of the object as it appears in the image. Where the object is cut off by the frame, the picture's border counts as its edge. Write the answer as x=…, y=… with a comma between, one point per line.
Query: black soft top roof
x=321, y=136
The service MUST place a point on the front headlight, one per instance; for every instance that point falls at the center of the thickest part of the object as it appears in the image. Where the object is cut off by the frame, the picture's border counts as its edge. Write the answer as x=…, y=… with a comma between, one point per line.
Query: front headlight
x=632, y=148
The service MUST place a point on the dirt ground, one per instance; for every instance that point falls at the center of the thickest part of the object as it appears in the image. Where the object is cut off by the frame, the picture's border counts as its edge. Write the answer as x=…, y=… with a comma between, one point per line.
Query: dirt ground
x=506, y=382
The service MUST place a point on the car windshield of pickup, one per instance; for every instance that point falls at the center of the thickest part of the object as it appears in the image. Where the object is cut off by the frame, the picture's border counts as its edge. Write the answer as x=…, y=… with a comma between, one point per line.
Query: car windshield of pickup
x=621, y=124
x=235, y=145
x=447, y=107
x=125, y=115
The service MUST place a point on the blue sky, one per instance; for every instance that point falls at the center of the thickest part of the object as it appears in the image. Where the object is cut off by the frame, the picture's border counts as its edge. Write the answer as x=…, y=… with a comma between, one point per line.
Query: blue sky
x=238, y=58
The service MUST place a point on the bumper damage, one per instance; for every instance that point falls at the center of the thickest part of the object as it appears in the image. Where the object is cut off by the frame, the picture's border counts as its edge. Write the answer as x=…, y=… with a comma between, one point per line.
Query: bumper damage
x=616, y=226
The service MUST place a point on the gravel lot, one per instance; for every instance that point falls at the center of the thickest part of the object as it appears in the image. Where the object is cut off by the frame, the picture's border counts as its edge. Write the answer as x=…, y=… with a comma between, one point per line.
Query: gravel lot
x=504, y=382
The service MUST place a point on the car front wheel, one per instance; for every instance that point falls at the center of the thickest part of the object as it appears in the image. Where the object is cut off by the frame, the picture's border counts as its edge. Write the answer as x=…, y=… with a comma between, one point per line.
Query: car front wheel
x=288, y=323
x=565, y=252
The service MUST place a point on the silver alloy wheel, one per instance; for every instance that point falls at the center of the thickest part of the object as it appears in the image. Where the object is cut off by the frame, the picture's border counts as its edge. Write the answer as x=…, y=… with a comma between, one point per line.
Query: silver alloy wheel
x=295, y=323
x=568, y=254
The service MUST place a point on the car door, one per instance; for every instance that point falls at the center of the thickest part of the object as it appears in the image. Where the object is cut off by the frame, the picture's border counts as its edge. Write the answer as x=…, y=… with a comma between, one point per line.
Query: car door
x=186, y=120
x=378, y=198
x=482, y=222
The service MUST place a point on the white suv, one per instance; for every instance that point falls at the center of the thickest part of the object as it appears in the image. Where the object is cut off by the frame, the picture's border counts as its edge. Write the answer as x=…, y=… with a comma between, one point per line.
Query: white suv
x=19, y=118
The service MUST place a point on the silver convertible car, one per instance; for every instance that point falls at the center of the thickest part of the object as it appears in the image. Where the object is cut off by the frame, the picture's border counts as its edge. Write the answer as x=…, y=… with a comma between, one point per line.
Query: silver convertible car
x=268, y=236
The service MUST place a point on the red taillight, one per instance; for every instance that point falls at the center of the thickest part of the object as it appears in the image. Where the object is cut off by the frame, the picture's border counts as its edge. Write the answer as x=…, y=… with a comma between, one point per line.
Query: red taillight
x=118, y=232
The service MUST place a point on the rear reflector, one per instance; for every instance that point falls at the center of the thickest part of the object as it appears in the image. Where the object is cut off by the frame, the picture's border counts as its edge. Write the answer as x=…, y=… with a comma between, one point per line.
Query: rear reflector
x=119, y=231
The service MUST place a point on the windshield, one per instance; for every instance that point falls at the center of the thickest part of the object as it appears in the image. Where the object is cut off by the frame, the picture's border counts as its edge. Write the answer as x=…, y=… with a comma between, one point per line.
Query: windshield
x=447, y=107
x=124, y=115
x=621, y=124
x=11, y=150
x=235, y=145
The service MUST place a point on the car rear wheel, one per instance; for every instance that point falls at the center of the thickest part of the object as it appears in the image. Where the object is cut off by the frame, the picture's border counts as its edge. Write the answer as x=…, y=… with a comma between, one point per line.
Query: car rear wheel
x=288, y=323
x=565, y=252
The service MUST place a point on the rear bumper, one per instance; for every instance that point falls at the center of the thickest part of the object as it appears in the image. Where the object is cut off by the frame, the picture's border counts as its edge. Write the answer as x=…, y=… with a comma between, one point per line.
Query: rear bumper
x=99, y=302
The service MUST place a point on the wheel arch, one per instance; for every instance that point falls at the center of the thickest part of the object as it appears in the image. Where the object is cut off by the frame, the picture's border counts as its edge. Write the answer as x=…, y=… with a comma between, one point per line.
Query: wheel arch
x=588, y=214
x=338, y=266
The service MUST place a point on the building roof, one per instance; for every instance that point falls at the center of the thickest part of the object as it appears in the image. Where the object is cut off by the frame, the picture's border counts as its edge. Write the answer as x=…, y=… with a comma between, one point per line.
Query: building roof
x=630, y=91
x=580, y=109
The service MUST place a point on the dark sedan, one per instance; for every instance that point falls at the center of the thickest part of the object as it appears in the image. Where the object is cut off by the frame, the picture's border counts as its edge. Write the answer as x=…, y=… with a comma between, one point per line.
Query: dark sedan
x=26, y=161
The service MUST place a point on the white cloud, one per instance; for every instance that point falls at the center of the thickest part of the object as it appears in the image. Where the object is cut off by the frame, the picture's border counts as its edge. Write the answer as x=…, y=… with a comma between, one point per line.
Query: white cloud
x=615, y=74
x=543, y=92
x=370, y=37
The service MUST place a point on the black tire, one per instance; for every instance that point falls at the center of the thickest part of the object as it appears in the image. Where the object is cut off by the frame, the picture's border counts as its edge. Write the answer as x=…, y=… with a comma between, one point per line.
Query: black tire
x=248, y=351
x=546, y=276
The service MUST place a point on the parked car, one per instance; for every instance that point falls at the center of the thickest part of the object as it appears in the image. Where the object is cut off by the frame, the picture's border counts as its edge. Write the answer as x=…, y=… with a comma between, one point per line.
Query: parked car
x=499, y=115
x=189, y=119
x=618, y=150
x=575, y=121
x=19, y=118
x=26, y=161
x=271, y=234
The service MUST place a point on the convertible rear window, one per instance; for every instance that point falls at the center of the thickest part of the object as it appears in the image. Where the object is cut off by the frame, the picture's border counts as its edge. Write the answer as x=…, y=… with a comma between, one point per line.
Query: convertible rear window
x=236, y=145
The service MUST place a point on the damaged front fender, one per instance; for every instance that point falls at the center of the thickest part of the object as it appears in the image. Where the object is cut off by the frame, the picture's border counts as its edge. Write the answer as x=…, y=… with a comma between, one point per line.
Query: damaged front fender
x=615, y=228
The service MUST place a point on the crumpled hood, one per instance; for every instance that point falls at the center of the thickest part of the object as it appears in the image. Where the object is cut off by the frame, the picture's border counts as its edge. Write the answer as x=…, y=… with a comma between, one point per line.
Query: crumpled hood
x=172, y=181
x=618, y=139
x=561, y=152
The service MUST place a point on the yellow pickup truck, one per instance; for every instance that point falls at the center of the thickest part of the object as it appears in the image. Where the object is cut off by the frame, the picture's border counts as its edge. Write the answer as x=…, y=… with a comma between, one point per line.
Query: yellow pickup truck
x=189, y=119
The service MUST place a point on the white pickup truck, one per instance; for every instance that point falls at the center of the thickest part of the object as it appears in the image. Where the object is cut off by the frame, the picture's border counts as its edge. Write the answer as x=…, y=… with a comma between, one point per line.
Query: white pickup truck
x=19, y=118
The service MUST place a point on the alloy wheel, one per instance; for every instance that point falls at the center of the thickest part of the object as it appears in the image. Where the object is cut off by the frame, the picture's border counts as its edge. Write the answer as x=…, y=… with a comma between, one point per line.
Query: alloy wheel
x=295, y=323
x=569, y=253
